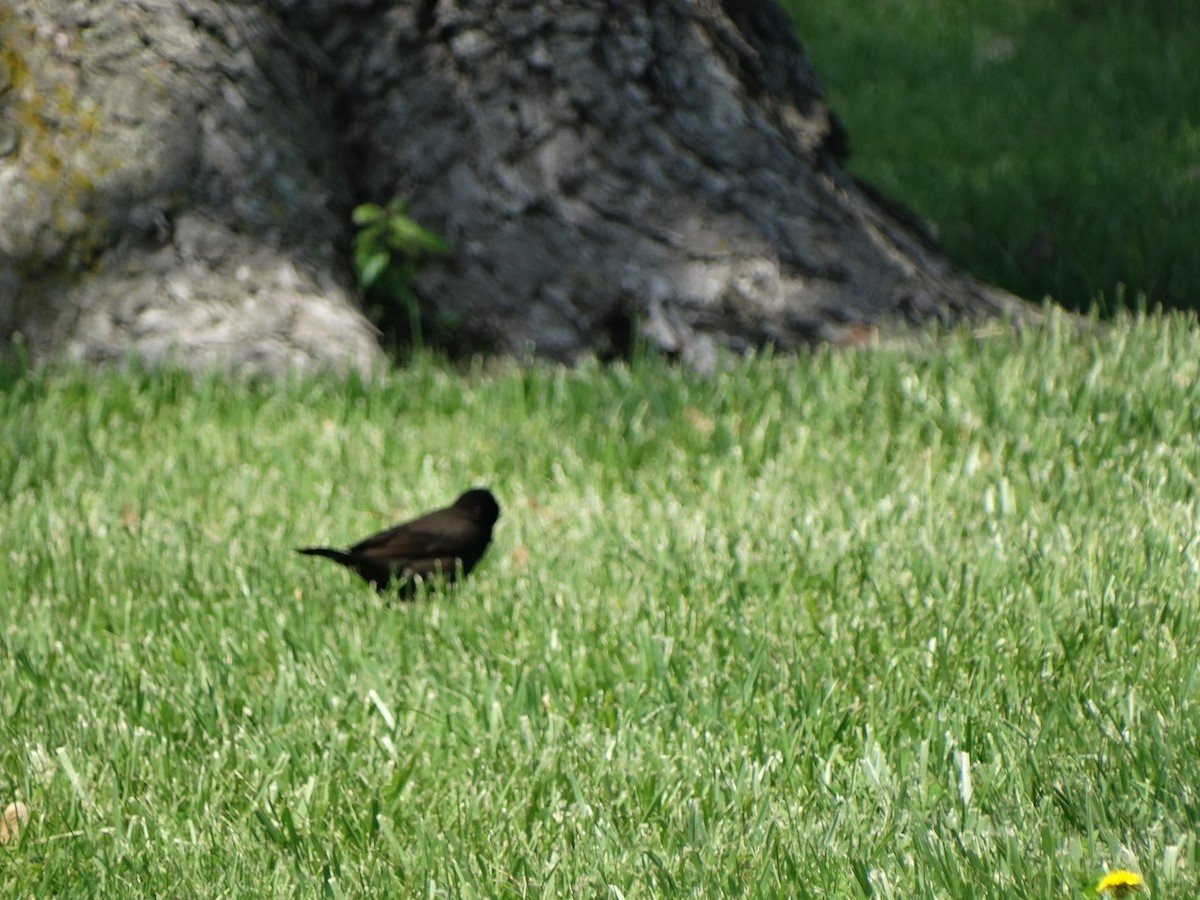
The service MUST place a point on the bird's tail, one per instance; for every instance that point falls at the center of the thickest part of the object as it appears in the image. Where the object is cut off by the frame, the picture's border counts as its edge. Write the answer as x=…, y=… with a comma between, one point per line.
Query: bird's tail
x=329, y=553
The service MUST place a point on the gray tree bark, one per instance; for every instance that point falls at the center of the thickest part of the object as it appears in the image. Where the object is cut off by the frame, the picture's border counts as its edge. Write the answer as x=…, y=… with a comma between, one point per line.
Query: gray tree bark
x=176, y=178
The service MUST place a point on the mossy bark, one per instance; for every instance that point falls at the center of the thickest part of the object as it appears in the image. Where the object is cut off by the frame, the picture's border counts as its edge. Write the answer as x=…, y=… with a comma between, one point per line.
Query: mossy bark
x=161, y=198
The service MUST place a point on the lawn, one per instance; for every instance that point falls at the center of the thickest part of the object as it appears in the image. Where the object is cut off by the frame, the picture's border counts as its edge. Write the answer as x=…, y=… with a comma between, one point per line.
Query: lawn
x=906, y=622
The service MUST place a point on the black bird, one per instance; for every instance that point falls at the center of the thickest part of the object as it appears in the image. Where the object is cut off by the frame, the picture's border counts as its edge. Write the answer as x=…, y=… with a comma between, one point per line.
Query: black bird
x=435, y=544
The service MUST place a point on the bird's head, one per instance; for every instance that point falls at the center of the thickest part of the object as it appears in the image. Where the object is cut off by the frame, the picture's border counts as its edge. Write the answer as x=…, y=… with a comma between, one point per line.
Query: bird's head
x=480, y=505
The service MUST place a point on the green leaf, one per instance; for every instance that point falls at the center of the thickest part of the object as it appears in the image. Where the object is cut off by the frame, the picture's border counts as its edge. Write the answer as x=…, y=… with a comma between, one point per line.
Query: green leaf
x=367, y=214
x=433, y=243
x=410, y=237
x=372, y=267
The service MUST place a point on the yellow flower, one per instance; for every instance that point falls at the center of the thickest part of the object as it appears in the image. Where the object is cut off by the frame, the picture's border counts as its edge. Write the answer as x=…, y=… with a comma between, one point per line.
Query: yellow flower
x=1120, y=882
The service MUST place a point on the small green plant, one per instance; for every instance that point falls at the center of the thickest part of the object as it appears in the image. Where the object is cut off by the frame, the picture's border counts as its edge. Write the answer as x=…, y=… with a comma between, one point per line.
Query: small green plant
x=388, y=248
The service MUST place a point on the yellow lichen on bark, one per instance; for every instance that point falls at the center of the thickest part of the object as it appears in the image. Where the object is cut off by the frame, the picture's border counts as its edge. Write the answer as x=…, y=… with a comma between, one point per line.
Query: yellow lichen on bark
x=58, y=148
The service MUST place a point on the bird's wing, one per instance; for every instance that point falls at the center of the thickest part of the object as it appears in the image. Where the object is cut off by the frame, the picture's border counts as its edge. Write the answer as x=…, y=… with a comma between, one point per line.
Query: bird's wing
x=419, y=539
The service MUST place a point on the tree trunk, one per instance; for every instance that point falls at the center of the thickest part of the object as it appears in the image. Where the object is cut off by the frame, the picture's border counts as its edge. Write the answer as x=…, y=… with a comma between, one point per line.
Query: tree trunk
x=176, y=178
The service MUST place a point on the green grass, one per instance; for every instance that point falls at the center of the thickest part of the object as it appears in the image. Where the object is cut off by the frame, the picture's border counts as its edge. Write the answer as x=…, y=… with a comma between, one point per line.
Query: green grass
x=1055, y=143
x=908, y=622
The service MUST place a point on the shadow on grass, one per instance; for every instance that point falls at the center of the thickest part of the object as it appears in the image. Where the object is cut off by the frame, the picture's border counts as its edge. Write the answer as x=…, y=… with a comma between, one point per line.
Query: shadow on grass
x=1054, y=145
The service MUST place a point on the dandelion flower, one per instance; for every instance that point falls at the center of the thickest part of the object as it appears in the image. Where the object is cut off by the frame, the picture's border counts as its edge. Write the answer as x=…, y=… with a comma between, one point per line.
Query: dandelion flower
x=1120, y=882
